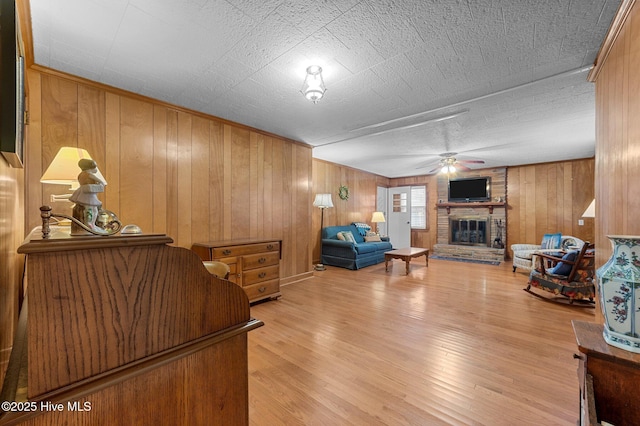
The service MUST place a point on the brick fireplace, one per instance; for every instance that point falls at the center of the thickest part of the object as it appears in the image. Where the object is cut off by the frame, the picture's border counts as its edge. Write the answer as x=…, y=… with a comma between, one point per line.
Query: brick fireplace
x=473, y=230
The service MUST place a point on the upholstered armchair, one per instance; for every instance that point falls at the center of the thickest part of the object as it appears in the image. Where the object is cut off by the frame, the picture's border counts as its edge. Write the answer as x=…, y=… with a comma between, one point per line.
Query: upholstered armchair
x=571, y=276
x=524, y=255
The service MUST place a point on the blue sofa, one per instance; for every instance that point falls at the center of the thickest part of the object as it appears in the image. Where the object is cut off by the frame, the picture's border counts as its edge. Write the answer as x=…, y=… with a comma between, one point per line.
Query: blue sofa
x=345, y=254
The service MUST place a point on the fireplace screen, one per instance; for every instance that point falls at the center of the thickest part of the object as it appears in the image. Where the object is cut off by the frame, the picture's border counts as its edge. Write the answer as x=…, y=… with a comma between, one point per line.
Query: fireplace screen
x=469, y=231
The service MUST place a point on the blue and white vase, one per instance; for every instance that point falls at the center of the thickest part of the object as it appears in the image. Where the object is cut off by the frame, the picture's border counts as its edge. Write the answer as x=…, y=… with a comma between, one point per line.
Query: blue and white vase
x=619, y=292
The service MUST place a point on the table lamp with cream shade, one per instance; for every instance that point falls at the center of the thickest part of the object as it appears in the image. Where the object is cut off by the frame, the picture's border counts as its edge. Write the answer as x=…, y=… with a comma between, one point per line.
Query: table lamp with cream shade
x=74, y=167
x=378, y=217
x=591, y=210
x=64, y=170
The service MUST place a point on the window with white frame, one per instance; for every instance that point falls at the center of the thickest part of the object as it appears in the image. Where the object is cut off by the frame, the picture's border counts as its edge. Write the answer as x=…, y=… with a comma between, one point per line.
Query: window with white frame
x=419, y=207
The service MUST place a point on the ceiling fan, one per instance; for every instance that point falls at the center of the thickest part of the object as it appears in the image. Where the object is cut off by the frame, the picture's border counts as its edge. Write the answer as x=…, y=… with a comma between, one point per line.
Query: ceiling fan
x=448, y=163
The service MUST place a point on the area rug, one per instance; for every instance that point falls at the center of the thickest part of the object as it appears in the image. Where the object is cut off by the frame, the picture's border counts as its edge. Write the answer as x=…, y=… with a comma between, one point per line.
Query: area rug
x=458, y=259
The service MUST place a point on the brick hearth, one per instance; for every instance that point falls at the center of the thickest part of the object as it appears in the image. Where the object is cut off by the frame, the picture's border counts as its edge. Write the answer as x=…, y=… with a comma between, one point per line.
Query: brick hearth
x=469, y=252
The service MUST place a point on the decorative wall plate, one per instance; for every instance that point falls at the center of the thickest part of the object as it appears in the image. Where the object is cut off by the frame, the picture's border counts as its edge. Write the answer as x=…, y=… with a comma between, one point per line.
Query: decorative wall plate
x=343, y=192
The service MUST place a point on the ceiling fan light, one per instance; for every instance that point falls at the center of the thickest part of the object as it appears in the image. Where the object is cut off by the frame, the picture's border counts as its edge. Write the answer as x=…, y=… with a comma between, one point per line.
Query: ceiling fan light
x=448, y=168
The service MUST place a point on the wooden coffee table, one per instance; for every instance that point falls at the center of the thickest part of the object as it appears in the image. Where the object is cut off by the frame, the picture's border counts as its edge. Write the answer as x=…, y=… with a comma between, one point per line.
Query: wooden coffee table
x=405, y=254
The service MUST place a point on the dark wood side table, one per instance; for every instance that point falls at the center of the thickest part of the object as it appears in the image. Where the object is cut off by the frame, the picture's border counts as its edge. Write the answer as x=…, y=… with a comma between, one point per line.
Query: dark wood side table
x=609, y=379
x=405, y=254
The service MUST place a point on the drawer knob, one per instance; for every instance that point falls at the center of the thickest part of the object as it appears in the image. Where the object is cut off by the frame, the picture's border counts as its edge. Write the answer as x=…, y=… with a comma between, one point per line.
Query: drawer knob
x=226, y=251
x=262, y=289
x=262, y=260
x=270, y=246
x=262, y=274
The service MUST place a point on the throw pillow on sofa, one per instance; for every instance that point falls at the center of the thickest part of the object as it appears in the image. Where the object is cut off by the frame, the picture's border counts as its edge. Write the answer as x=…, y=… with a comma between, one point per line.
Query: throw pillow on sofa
x=551, y=241
x=362, y=228
x=372, y=238
x=346, y=236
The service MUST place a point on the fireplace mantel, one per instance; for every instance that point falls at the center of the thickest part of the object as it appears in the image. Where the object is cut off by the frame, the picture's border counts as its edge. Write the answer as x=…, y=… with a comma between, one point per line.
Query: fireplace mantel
x=489, y=204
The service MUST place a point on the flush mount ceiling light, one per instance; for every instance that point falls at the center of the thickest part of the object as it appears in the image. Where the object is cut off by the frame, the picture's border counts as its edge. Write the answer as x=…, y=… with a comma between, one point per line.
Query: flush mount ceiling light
x=313, y=87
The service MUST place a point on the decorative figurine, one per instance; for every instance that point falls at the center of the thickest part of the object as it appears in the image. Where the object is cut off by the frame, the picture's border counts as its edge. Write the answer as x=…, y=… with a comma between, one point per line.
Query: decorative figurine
x=87, y=205
x=88, y=216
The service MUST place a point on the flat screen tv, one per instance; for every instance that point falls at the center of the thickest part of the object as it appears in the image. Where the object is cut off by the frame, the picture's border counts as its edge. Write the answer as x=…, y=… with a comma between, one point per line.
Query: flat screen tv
x=464, y=190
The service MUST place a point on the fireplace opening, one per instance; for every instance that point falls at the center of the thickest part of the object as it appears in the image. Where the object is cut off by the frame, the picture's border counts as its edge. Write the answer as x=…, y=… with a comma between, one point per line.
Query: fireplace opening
x=474, y=231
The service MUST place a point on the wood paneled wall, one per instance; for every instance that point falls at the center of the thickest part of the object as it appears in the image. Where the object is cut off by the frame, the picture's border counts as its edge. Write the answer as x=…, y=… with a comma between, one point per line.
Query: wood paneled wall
x=193, y=177
x=549, y=197
x=617, y=164
x=11, y=264
x=541, y=198
x=327, y=179
x=12, y=232
x=618, y=138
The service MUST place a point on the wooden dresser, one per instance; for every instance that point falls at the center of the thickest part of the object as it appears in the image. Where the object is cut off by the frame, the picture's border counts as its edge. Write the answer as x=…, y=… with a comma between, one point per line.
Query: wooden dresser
x=609, y=379
x=254, y=264
x=126, y=330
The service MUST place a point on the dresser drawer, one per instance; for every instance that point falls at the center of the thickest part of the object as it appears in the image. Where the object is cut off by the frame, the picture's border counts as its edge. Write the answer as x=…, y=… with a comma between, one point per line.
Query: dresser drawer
x=262, y=290
x=254, y=276
x=254, y=264
x=241, y=250
x=231, y=261
x=252, y=261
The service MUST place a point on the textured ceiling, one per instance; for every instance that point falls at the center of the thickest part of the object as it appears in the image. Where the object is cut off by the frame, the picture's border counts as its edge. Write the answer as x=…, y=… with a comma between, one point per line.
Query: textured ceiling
x=513, y=70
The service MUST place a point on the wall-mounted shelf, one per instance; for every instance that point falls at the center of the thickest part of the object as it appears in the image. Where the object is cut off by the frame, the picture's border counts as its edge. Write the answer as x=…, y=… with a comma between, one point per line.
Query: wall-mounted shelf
x=488, y=204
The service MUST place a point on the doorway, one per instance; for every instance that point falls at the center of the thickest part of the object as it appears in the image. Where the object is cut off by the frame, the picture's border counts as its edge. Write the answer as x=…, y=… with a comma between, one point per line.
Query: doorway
x=399, y=216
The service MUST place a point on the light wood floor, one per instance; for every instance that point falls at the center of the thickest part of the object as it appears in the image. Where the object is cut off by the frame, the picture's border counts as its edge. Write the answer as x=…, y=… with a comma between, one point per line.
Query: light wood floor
x=454, y=343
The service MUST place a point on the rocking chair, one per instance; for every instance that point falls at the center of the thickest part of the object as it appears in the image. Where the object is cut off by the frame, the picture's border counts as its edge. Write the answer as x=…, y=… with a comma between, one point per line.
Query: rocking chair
x=570, y=276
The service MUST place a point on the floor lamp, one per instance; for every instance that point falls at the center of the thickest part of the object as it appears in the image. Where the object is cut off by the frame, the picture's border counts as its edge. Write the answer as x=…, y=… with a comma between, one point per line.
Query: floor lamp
x=322, y=201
